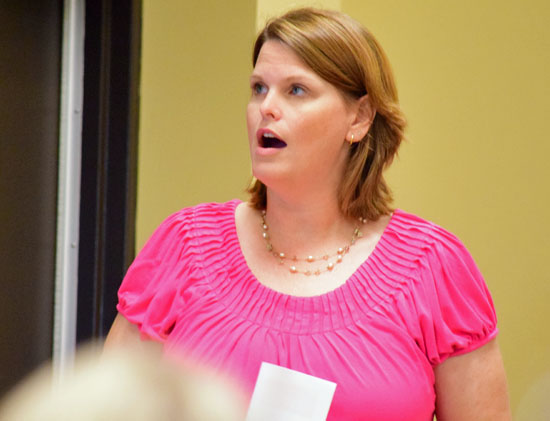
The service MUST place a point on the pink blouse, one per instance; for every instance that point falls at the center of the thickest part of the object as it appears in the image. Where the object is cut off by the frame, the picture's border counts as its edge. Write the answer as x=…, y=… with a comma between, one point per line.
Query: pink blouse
x=417, y=300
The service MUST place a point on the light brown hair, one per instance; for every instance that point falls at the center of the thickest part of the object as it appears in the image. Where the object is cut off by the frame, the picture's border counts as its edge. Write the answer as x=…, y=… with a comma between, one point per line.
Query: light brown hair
x=344, y=53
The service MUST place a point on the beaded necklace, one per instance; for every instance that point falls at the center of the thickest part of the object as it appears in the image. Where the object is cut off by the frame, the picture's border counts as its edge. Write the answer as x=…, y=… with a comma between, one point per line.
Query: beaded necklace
x=331, y=260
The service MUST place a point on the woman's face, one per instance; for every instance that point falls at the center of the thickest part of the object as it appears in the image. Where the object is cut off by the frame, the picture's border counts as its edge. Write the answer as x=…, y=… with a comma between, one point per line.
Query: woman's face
x=297, y=123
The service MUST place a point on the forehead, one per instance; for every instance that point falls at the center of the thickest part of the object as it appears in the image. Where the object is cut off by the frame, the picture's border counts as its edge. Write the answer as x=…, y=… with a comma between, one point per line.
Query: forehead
x=277, y=57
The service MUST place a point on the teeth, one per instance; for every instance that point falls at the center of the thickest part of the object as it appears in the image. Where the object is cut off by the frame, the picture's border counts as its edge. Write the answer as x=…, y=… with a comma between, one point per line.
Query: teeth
x=269, y=135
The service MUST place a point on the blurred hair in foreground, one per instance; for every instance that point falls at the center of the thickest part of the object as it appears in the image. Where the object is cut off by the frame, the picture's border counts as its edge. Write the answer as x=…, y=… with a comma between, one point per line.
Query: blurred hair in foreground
x=123, y=385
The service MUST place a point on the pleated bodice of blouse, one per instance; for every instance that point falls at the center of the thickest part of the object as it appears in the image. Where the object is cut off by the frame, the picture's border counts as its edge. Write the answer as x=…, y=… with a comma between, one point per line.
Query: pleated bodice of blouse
x=416, y=300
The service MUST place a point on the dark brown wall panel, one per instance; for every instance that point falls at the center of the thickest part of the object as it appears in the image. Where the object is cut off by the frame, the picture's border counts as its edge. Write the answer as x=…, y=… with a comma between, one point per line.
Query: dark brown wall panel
x=30, y=57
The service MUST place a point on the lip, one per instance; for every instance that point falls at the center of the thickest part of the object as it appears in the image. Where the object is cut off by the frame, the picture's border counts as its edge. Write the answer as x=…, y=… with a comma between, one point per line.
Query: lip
x=263, y=131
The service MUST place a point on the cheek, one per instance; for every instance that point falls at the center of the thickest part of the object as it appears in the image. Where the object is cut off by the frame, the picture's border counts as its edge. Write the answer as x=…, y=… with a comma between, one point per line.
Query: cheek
x=251, y=120
x=328, y=124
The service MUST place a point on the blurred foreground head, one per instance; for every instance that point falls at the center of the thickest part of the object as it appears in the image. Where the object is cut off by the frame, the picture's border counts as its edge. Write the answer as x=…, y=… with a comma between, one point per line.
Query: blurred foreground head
x=120, y=385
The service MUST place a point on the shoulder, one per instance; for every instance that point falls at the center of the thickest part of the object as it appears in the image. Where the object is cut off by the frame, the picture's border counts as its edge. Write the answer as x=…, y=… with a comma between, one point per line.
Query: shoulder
x=421, y=232
x=424, y=243
x=202, y=214
x=195, y=222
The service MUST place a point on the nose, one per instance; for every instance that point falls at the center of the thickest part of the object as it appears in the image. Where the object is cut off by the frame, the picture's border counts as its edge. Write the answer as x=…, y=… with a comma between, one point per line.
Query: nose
x=270, y=107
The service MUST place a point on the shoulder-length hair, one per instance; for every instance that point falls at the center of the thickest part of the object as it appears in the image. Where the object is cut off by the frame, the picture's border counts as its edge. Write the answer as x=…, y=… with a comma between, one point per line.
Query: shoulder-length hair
x=344, y=53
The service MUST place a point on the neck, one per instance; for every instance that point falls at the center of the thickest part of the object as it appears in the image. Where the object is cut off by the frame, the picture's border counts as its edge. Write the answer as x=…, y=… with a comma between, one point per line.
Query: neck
x=312, y=225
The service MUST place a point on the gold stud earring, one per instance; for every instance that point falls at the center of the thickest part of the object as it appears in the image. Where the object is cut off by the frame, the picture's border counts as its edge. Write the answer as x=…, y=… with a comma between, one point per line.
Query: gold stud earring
x=351, y=139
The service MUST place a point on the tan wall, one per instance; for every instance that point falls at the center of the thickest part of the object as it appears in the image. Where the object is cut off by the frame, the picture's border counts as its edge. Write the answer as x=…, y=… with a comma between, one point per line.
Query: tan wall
x=473, y=78
x=196, y=61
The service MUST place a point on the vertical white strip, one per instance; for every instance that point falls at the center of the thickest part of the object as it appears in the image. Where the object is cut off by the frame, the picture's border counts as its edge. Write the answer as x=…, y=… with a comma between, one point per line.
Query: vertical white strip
x=68, y=205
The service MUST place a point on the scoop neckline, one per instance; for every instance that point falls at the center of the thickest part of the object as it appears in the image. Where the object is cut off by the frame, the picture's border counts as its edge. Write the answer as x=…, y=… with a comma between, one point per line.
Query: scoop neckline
x=352, y=279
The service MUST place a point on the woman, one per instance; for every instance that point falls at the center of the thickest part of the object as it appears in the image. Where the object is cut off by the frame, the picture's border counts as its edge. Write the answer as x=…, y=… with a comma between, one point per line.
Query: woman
x=317, y=272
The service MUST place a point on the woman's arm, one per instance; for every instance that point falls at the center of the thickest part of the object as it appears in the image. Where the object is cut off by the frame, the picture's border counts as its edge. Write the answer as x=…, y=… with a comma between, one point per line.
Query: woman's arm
x=472, y=386
x=126, y=334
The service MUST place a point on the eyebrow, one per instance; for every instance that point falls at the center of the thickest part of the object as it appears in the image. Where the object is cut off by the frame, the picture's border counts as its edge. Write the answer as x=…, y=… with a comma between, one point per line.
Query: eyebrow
x=286, y=79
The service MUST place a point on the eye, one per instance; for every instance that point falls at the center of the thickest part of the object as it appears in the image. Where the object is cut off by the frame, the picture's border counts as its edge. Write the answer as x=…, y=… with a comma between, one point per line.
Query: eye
x=258, y=88
x=297, y=90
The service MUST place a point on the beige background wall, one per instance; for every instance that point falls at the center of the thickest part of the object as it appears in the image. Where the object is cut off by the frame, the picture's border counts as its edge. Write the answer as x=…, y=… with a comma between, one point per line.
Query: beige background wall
x=194, y=88
x=473, y=79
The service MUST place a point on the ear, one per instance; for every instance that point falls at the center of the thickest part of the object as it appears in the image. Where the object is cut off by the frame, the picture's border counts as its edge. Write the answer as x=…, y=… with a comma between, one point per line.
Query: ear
x=363, y=116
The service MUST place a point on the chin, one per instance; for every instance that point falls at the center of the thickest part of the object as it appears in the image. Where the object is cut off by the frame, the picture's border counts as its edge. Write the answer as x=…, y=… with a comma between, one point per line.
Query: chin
x=268, y=177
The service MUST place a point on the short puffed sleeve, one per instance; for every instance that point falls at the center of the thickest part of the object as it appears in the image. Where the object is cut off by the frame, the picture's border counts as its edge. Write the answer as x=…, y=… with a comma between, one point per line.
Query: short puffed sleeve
x=148, y=295
x=454, y=307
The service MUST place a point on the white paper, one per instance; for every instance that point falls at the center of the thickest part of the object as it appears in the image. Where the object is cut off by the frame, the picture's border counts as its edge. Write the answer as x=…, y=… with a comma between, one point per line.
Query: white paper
x=284, y=394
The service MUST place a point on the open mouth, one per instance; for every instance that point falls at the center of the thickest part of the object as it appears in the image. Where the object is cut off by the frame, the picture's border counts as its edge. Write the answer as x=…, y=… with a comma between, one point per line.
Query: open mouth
x=268, y=140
